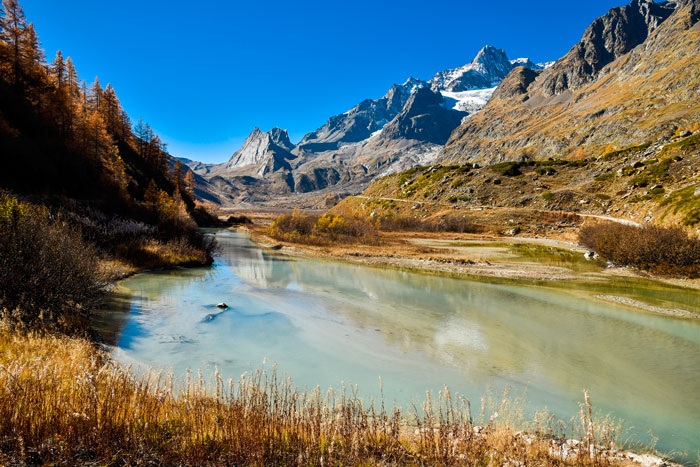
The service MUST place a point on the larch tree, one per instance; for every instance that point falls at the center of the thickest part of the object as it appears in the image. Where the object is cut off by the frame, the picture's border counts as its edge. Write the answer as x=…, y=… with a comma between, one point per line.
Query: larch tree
x=13, y=34
x=110, y=110
x=177, y=175
x=142, y=132
x=116, y=171
x=190, y=183
x=63, y=99
x=58, y=70
x=33, y=56
x=125, y=122
x=96, y=93
x=72, y=79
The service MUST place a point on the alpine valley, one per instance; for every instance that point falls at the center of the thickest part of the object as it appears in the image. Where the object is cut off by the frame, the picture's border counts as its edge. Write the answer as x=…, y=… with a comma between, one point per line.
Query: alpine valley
x=498, y=265
x=617, y=114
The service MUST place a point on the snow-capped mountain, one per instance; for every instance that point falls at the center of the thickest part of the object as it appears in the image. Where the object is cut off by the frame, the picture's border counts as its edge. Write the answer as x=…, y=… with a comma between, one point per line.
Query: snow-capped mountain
x=487, y=69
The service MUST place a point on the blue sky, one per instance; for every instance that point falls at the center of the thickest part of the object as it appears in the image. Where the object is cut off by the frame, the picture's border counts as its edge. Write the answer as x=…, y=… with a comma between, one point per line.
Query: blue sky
x=205, y=73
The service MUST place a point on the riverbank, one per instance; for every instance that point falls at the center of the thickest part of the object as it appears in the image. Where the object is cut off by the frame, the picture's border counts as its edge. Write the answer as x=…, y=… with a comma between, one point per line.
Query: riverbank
x=67, y=401
x=551, y=262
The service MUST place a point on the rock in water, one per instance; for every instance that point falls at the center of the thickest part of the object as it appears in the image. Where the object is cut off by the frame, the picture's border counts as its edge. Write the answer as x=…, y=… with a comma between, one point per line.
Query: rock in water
x=222, y=305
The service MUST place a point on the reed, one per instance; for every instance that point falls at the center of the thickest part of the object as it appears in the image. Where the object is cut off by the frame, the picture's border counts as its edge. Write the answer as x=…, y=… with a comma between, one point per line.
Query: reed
x=63, y=401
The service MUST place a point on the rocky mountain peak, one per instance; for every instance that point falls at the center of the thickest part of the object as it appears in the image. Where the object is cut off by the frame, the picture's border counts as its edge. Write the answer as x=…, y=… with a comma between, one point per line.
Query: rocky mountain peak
x=486, y=70
x=606, y=39
x=491, y=60
x=263, y=151
x=281, y=138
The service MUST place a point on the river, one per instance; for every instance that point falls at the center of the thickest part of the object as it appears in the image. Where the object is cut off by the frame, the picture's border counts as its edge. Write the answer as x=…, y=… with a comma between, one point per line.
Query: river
x=332, y=323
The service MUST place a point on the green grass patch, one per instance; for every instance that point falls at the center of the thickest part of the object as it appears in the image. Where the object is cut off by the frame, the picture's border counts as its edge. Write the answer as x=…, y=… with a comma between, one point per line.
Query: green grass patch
x=654, y=172
x=685, y=202
x=691, y=143
x=508, y=169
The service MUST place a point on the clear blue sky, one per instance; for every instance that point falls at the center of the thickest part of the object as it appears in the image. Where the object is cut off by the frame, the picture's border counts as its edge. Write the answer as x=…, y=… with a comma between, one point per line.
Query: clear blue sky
x=205, y=73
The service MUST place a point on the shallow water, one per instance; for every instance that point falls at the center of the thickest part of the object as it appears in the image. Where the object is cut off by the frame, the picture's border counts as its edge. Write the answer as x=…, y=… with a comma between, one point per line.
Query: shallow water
x=329, y=323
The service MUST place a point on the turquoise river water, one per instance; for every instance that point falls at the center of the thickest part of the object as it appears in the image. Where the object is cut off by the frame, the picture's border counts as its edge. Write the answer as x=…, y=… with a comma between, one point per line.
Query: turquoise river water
x=330, y=323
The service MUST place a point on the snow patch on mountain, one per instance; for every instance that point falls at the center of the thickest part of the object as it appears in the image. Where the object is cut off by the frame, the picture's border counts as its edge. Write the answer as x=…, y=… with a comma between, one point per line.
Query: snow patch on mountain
x=467, y=101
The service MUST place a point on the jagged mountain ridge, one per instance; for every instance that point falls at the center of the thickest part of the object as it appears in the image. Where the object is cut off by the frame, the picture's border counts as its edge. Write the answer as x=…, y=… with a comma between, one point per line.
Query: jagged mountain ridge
x=628, y=81
x=424, y=118
x=361, y=121
x=405, y=127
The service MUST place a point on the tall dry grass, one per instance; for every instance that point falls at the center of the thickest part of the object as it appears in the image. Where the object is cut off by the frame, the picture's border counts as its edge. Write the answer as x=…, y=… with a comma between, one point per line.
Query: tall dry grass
x=64, y=402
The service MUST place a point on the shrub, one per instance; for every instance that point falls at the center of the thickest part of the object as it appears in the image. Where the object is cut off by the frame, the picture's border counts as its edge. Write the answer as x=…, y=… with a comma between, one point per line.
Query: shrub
x=320, y=230
x=509, y=169
x=547, y=195
x=545, y=170
x=658, y=249
x=605, y=177
x=453, y=223
x=48, y=273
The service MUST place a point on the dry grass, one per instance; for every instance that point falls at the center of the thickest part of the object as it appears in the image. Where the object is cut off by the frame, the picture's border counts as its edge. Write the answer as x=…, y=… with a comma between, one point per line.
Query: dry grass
x=64, y=402
x=150, y=253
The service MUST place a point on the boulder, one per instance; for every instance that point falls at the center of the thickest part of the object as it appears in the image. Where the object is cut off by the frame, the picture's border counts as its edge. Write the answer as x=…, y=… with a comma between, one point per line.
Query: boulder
x=590, y=255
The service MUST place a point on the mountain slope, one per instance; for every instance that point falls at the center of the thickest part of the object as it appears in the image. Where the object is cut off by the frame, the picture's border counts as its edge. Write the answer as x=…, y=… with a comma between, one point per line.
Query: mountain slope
x=633, y=78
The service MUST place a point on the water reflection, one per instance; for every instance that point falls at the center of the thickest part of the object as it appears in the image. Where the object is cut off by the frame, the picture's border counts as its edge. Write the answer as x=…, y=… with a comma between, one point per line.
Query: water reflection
x=327, y=322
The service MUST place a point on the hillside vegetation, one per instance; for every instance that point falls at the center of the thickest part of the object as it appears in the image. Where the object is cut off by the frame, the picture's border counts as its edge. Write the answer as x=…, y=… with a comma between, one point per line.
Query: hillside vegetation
x=657, y=183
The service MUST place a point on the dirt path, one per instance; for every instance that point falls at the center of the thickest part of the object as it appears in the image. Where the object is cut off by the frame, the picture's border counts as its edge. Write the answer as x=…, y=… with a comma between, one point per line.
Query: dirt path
x=619, y=220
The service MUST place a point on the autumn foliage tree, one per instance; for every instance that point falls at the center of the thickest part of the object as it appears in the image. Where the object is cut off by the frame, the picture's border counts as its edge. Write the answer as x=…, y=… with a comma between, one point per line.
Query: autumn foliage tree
x=88, y=117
